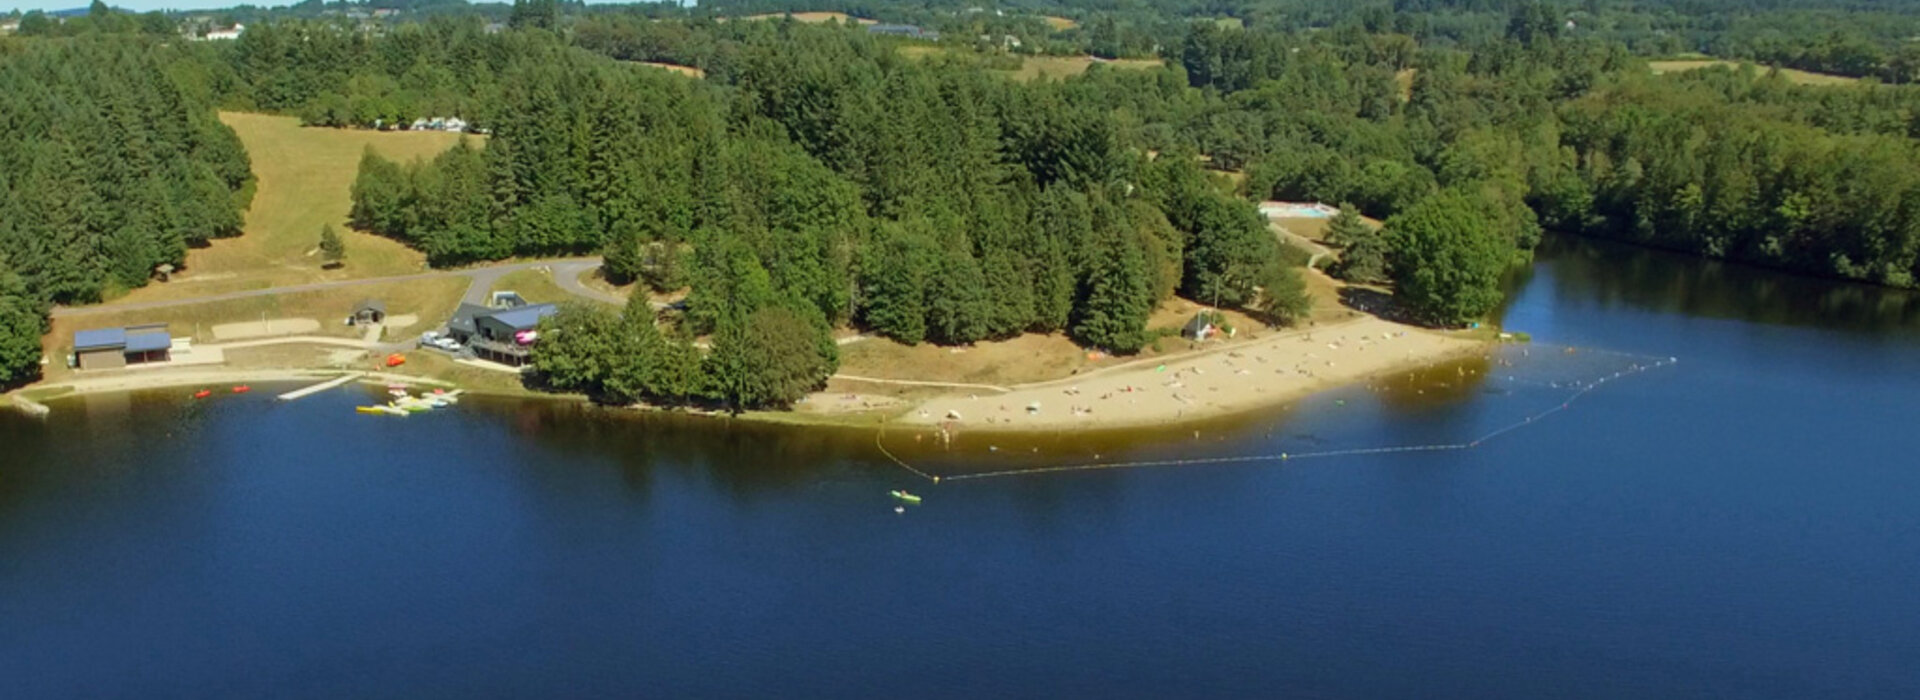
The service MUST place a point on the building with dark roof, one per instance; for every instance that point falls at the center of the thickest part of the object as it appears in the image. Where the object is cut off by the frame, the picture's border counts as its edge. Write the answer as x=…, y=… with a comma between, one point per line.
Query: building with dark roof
x=113, y=348
x=501, y=335
x=369, y=311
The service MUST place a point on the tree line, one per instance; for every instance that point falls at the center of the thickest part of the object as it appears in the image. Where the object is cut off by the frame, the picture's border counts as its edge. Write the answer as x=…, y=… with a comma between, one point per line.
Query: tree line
x=827, y=180
x=109, y=169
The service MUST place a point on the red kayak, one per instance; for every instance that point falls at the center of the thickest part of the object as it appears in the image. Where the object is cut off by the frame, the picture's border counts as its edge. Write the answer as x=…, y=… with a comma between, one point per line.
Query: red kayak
x=203, y=393
x=242, y=389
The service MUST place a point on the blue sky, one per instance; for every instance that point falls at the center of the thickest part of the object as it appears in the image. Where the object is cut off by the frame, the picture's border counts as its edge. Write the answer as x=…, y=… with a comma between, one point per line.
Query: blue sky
x=145, y=5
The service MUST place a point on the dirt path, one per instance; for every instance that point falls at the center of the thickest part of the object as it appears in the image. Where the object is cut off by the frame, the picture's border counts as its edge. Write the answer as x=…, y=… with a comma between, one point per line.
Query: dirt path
x=1314, y=247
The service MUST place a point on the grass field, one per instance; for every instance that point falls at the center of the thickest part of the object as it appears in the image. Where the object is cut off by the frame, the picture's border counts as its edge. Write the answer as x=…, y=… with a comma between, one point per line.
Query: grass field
x=431, y=299
x=814, y=17
x=304, y=177
x=1797, y=77
x=1060, y=67
x=535, y=285
x=1060, y=24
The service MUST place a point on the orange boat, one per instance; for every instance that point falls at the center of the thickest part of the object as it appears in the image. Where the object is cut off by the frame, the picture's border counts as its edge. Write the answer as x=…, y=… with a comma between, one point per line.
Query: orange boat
x=203, y=393
x=242, y=389
x=396, y=359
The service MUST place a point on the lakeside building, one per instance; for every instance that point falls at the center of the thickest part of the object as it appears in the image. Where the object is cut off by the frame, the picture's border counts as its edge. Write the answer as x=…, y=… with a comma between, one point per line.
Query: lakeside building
x=114, y=348
x=503, y=335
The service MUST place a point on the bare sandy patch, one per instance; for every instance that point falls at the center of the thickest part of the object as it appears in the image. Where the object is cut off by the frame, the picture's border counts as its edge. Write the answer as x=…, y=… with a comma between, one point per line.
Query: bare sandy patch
x=688, y=71
x=265, y=328
x=1221, y=381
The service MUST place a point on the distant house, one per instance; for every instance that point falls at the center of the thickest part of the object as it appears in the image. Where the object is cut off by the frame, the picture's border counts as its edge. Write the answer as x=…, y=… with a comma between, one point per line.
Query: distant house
x=227, y=34
x=367, y=312
x=113, y=348
x=503, y=335
x=906, y=30
x=455, y=124
x=420, y=124
x=9, y=26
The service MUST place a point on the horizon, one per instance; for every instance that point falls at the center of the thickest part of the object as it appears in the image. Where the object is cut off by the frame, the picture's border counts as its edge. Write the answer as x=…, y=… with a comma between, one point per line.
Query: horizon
x=25, y=6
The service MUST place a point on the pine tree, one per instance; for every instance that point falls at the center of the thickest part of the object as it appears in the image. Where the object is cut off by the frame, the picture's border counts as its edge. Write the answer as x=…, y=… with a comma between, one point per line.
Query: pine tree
x=1364, y=258
x=22, y=321
x=332, y=249
x=1117, y=298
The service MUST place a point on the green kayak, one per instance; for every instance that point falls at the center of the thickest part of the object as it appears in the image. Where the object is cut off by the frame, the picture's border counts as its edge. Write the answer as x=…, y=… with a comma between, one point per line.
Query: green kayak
x=904, y=496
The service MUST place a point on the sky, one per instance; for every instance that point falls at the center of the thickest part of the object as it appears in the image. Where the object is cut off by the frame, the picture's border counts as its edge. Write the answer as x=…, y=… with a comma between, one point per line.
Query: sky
x=146, y=5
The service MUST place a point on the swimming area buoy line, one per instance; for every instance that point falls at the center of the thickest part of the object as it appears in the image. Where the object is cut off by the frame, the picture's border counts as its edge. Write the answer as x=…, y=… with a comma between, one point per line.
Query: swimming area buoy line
x=1515, y=373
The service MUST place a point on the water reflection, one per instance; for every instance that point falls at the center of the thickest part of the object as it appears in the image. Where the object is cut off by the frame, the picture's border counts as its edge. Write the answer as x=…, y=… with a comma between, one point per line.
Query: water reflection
x=1611, y=274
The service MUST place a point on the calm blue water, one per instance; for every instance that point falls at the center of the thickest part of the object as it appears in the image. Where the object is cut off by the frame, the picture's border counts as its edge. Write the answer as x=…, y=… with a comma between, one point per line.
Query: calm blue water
x=1745, y=523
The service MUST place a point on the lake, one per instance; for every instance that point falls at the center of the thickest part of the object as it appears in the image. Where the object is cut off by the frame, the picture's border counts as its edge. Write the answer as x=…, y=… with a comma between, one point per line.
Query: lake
x=1744, y=523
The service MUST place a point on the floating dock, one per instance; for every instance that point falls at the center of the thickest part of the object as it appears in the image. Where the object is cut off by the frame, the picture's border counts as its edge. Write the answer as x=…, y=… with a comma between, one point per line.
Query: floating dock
x=317, y=388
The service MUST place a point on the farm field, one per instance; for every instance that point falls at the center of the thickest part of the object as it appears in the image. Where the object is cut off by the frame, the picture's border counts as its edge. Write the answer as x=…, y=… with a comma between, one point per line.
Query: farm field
x=1797, y=77
x=1060, y=67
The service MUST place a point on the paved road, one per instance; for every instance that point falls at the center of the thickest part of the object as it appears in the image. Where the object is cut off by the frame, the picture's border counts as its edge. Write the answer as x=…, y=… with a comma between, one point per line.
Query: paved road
x=565, y=271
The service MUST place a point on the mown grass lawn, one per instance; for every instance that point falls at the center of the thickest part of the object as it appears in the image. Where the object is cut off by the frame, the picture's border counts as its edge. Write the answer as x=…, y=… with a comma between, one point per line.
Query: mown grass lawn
x=304, y=178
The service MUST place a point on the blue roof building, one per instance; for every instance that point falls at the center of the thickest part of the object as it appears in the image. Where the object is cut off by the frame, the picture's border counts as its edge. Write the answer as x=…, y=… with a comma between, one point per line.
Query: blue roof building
x=113, y=348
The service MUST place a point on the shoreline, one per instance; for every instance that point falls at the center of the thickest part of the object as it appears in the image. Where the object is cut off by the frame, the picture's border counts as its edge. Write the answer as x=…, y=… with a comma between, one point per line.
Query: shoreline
x=205, y=377
x=1216, y=383
x=1219, y=382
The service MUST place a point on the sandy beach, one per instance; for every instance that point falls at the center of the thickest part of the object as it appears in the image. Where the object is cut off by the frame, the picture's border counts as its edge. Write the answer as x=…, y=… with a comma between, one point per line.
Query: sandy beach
x=1222, y=381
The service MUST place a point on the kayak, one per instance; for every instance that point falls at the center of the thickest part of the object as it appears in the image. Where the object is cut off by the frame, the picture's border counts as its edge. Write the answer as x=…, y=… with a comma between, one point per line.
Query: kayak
x=242, y=389
x=369, y=409
x=904, y=496
x=203, y=393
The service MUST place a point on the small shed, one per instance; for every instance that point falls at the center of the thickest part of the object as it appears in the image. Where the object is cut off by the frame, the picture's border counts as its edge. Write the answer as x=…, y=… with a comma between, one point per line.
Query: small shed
x=113, y=348
x=1202, y=326
x=368, y=312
